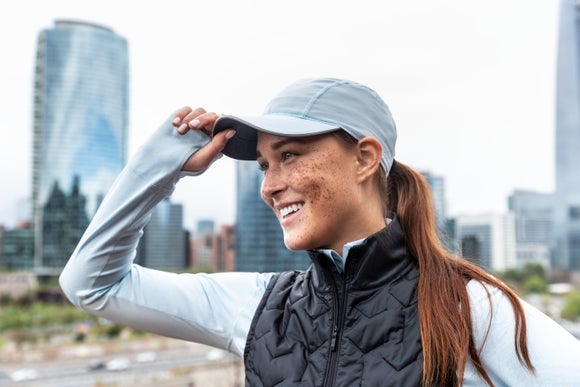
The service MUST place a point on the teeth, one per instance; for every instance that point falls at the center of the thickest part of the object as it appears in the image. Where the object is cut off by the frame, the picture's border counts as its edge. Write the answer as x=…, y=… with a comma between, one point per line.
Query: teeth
x=290, y=209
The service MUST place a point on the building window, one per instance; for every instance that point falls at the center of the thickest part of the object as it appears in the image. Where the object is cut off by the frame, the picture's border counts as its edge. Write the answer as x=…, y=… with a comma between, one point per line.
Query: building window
x=574, y=213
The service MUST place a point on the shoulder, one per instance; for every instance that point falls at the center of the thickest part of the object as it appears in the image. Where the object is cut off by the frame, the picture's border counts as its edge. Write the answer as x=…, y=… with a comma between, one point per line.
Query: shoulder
x=553, y=351
x=489, y=307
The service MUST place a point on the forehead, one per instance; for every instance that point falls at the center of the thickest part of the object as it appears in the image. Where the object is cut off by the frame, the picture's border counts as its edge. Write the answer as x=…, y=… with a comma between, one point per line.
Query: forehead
x=265, y=137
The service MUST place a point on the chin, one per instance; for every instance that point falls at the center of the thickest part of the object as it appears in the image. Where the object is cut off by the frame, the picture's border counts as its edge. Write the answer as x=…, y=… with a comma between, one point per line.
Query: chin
x=294, y=245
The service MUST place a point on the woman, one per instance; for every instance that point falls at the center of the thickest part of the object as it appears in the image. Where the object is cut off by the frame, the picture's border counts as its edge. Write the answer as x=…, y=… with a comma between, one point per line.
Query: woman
x=383, y=302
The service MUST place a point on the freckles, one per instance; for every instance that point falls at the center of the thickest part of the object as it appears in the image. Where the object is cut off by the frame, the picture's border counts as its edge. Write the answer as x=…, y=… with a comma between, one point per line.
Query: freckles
x=317, y=177
x=325, y=187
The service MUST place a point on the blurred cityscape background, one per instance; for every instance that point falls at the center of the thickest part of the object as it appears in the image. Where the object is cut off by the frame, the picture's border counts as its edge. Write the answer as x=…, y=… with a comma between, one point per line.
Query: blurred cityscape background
x=80, y=144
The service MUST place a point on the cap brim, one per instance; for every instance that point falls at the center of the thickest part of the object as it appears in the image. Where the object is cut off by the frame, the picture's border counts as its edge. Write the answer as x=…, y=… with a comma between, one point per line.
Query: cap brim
x=243, y=145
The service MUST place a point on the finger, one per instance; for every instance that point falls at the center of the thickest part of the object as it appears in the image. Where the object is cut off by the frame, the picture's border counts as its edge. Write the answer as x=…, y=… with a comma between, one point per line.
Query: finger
x=179, y=114
x=184, y=121
x=204, y=157
x=198, y=119
x=204, y=122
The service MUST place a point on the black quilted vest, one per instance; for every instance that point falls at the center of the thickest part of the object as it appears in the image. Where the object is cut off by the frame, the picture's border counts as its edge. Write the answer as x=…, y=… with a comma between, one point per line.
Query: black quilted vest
x=322, y=328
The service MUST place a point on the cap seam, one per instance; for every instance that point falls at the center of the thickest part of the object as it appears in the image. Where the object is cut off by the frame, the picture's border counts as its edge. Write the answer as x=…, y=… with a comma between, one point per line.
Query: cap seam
x=315, y=98
x=308, y=118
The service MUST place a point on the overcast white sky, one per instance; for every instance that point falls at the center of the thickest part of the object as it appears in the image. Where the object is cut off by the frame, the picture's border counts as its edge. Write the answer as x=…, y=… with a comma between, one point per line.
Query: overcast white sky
x=470, y=83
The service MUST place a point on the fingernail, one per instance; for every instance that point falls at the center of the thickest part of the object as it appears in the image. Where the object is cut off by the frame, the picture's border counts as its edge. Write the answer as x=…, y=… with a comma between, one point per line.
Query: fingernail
x=176, y=120
x=230, y=133
x=194, y=123
x=182, y=128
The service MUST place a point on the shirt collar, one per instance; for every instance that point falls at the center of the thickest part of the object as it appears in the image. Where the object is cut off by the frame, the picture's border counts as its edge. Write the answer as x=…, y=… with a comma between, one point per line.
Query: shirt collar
x=339, y=260
x=336, y=258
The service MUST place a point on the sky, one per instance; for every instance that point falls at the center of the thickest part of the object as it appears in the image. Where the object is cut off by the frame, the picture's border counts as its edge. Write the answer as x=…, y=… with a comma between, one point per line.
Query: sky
x=471, y=84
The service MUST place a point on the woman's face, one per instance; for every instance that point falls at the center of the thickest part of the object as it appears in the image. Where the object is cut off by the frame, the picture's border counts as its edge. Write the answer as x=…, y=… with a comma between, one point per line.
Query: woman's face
x=311, y=184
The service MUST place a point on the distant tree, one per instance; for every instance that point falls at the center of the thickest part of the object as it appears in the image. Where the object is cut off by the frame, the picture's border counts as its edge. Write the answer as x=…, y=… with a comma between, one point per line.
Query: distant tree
x=535, y=284
x=533, y=269
x=530, y=278
x=514, y=275
x=571, y=309
x=5, y=299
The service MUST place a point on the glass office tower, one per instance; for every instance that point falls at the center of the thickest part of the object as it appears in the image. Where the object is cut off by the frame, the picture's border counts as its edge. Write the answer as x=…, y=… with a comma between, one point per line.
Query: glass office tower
x=567, y=195
x=79, y=134
x=259, y=242
x=164, y=244
x=437, y=185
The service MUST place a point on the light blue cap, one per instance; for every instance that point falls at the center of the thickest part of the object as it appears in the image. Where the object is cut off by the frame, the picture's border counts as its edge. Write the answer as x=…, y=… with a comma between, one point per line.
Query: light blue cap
x=314, y=106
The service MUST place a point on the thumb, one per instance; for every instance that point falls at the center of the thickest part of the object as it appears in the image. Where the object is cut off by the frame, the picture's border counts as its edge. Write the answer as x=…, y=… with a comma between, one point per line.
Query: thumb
x=201, y=159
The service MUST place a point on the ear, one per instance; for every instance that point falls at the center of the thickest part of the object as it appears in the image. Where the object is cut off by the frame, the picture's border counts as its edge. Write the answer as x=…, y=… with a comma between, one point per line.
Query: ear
x=369, y=152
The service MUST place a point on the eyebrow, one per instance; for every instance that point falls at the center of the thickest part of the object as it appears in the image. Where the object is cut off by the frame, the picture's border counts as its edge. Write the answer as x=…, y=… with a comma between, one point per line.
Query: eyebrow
x=280, y=143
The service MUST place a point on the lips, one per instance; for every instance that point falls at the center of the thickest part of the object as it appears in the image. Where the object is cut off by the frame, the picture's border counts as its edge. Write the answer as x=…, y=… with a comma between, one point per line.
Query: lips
x=285, y=211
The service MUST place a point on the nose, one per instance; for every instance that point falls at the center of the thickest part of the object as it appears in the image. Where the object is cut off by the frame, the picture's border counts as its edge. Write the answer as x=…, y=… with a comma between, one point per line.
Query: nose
x=272, y=185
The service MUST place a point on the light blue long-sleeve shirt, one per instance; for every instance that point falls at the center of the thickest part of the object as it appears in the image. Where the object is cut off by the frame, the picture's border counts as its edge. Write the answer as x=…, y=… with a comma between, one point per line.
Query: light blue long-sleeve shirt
x=217, y=309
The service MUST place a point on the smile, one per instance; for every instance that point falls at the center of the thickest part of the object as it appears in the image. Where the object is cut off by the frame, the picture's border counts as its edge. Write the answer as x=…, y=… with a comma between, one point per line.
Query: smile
x=290, y=209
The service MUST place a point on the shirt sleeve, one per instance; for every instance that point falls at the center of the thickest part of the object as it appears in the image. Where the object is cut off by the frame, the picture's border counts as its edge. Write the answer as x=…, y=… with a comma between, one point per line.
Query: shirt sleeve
x=554, y=352
x=101, y=278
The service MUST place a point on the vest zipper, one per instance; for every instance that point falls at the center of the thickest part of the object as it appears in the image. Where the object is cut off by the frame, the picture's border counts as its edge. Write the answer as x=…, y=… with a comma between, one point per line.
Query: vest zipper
x=339, y=315
x=333, y=341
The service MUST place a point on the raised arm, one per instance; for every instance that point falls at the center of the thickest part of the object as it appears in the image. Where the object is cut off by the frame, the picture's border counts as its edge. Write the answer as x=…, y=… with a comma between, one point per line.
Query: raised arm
x=101, y=277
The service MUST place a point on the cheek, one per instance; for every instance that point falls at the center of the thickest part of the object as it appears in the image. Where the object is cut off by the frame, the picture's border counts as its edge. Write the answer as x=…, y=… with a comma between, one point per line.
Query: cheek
x=320, y=180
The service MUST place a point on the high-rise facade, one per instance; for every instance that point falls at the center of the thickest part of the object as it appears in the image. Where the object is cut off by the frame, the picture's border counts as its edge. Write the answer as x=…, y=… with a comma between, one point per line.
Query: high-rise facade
x=16, y=248
x=437, y=185
x=534, y=214
x=79, y=134
x=534, y=227
x=164, y=244
x=567, y=195
x=259, y=241
x=488, y=240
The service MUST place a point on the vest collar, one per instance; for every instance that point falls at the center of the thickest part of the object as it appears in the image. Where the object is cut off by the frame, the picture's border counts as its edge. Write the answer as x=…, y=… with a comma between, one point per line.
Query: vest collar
x=378, y=260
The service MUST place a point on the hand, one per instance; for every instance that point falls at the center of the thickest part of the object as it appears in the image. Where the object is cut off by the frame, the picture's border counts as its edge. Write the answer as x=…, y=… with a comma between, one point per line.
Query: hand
x=187, y=119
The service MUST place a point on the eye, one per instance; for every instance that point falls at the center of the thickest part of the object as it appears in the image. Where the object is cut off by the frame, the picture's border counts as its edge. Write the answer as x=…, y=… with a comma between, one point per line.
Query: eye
x=262, y=166
x=287, y=155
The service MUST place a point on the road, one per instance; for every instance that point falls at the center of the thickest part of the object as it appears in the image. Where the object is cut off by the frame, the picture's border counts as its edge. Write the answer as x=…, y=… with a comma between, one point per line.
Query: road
x=165, y=366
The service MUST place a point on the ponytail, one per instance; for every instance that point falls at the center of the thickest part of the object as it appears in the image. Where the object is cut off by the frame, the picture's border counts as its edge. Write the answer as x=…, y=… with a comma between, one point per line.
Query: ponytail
x=444, y=310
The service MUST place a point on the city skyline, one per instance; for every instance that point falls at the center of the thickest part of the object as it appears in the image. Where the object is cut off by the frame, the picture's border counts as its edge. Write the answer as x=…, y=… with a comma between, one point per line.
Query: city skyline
x=468, y=84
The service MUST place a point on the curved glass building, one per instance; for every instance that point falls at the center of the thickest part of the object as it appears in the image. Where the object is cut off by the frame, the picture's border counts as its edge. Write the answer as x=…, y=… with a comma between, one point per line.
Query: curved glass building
x=79, y=134
x=567, y=203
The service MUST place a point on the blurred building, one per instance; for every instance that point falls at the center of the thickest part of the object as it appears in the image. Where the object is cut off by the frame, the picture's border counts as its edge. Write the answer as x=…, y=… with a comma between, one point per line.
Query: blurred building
x=17, y=284
x=213, y=250
x=16, y=248
x=534, y=226
x=567, y=201
x=204, y=245
x=205, y=227
x=259, y=241
x=79, y=134
x=164, y=244
x=437, y=184
x=226, y=255
x=488, y=240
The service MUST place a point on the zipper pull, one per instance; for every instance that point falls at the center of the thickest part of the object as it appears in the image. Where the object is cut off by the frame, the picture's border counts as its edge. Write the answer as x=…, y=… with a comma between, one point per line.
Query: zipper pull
x=333, y=340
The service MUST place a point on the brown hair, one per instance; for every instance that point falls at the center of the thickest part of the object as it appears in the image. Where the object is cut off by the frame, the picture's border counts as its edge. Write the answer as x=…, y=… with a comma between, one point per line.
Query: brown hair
x=444, y=310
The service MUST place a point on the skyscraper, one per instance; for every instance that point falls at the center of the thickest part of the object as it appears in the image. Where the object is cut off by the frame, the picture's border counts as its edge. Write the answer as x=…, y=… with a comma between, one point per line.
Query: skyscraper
x=488, y=240
x=437, y=185
x=567, y=195
x=164, y=244
x=534, y=226
x=259, y=239
x=533, y=213
x=79, y=134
